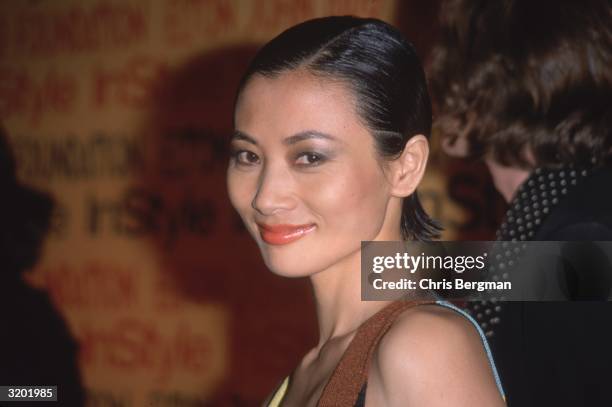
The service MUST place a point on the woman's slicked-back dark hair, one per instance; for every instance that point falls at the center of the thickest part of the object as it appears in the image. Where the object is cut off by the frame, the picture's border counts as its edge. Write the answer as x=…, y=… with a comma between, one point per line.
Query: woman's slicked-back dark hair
x=384, y=74
x=524, y=75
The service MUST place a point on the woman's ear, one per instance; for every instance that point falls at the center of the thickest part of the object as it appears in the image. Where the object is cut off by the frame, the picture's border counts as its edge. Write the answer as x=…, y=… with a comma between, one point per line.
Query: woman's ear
x=406, y=171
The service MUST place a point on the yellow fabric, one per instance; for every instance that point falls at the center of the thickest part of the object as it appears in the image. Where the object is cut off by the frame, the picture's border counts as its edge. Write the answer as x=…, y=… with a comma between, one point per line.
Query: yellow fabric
x=280, y=394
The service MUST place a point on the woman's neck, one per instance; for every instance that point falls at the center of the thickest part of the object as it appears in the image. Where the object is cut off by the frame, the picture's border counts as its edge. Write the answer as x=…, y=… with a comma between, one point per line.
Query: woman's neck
x=337, y=292
x=337, y=289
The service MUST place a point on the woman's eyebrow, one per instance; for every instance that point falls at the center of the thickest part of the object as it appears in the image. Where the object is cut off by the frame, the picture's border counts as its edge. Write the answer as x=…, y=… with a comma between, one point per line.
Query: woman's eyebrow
x=238, y=135
x=306, y=135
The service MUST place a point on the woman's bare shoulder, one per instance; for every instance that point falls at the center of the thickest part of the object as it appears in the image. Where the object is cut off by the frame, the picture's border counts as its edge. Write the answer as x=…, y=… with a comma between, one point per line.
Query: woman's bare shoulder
x=433, y=356
x=426, y=334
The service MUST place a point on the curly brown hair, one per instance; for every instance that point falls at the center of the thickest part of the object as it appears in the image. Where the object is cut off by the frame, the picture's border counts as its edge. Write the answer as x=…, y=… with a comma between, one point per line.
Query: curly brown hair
x=521, y=76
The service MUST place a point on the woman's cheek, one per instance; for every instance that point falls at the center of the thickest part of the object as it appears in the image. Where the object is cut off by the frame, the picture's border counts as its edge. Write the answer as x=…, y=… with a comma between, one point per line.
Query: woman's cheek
x=239, y=191
x=340, y=196
x=365, y=199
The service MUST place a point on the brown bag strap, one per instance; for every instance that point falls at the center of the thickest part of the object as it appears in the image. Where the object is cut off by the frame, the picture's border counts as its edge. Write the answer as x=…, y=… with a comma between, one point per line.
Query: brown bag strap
x=351, y=373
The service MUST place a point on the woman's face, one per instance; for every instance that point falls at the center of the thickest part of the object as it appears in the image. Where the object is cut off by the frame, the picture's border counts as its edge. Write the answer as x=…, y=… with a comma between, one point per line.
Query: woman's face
x=304, y=174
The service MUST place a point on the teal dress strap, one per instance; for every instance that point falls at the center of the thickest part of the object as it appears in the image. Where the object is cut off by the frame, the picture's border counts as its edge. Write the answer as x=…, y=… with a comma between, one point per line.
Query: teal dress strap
x=485, y=343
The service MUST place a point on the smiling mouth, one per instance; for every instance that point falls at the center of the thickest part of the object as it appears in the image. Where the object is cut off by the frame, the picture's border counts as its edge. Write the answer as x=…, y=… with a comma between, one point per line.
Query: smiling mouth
x=283, y=234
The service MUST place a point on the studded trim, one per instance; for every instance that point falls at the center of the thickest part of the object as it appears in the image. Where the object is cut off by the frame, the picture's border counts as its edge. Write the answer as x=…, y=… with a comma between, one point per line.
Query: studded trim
x=533, y=202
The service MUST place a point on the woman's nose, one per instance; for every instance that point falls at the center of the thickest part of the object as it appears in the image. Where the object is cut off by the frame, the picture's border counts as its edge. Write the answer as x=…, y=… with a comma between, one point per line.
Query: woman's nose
x=274, y=192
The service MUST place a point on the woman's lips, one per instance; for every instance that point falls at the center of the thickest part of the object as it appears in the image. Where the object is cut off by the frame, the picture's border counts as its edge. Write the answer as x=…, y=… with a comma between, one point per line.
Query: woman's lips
x=283, y=234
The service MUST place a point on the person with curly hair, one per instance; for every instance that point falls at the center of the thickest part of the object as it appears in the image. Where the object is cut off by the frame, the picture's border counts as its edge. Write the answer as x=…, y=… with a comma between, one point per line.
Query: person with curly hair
x=527, y=87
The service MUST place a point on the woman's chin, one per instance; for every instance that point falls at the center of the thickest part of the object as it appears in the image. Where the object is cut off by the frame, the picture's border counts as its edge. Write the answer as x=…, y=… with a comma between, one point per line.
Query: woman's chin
x=288, y=267
x=289, y=270
x=285, y=260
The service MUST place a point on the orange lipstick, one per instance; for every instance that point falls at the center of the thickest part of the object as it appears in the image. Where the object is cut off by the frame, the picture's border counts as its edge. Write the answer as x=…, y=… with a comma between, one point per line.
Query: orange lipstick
x=283, y=234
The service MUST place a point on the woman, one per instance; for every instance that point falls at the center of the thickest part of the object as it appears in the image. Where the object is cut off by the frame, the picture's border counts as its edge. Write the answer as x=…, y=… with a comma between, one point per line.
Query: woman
x=330, y=143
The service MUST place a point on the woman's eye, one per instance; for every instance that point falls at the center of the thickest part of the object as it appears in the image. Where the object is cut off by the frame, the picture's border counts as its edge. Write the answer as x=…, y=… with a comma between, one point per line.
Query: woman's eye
x=310, y=159
x=245, y=157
